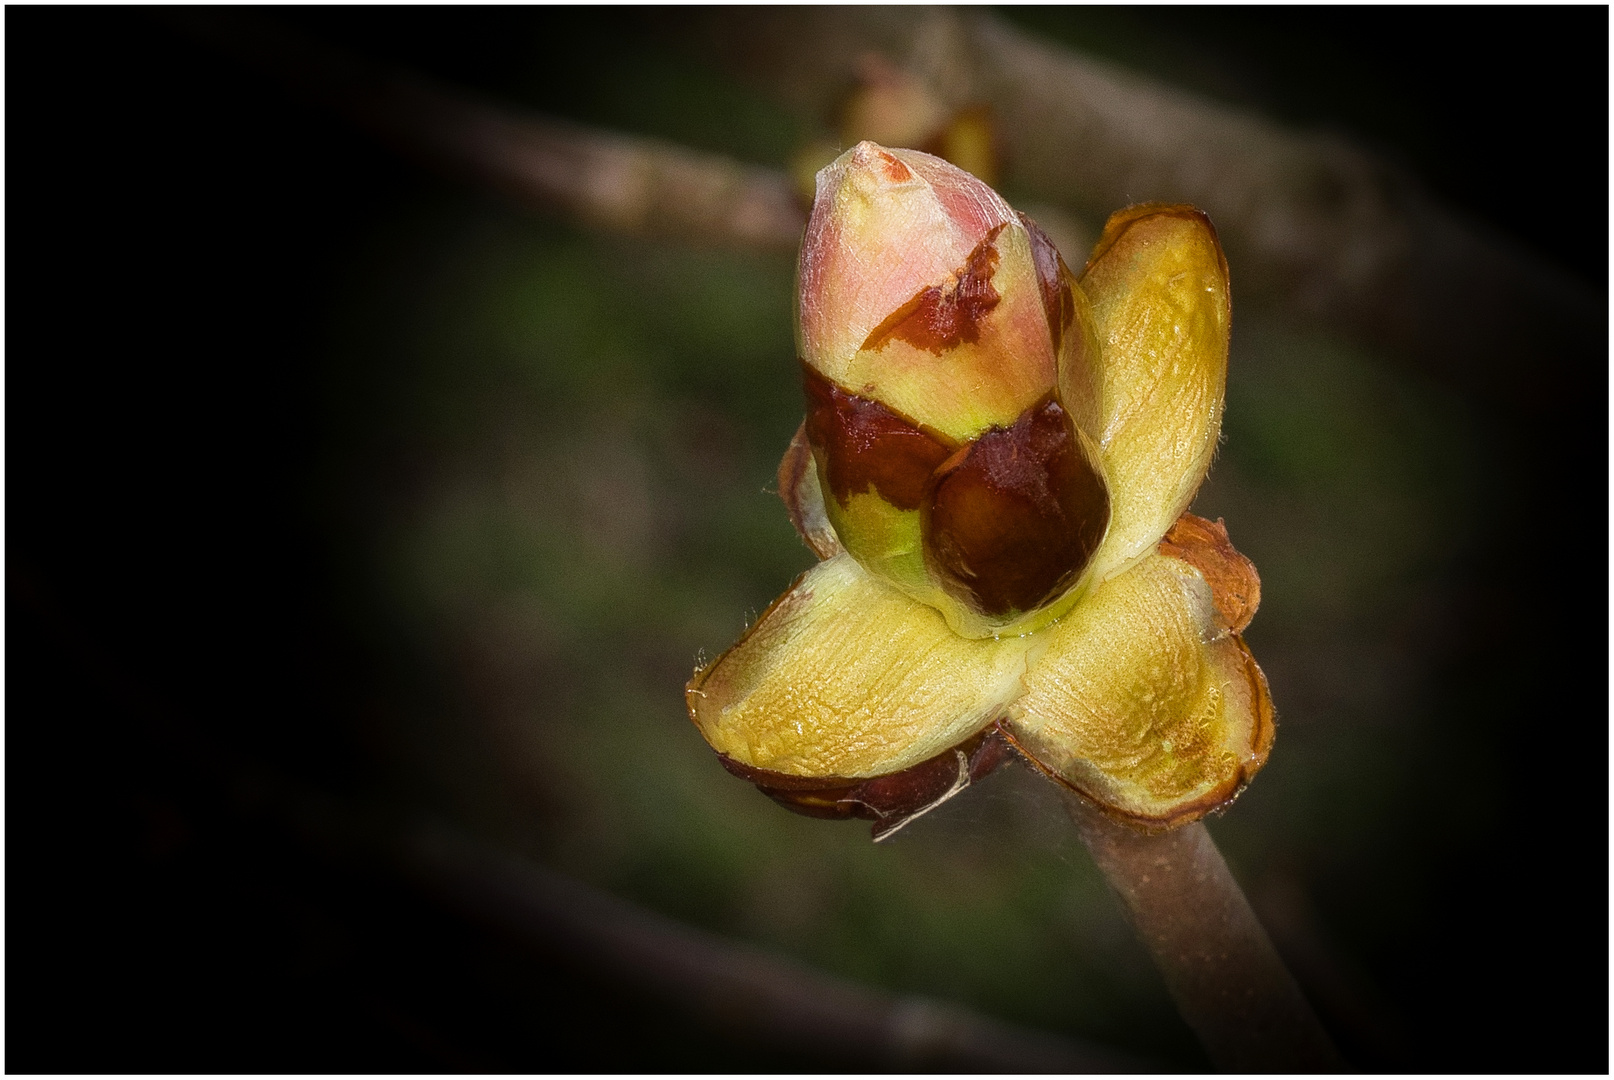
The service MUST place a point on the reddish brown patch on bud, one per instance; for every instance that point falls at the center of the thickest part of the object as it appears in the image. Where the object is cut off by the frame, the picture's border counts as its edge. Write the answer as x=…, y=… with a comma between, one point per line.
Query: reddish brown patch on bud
x=1234, y=584
x=1016, y=515
x=889, y=801
x=798, y=487
x=1053, y=277
x=868, y=446
x=939, y=317
x=893, y=169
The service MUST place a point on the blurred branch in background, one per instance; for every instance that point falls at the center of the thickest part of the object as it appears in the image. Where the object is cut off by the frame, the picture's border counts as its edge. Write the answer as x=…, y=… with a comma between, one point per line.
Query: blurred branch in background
x=601, y=179
x=1309, y=221
x=736, y=989
x=739, y=992
x=1312, y=223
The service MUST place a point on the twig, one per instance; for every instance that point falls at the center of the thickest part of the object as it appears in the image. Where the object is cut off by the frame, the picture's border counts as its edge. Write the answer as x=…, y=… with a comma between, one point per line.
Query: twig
x=601, y=179
x=1220, y=967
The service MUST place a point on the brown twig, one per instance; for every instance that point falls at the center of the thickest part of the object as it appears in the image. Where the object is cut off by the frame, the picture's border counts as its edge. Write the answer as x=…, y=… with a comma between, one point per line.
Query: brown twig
x=1220, y=967
x=600, y=179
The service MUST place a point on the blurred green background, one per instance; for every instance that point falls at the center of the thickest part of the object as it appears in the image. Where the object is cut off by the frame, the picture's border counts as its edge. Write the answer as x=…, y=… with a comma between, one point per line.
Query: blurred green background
x=427, y=503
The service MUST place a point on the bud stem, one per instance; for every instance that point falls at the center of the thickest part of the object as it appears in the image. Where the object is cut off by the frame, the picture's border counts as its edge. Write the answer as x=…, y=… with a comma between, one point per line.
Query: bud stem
x=1218, y=963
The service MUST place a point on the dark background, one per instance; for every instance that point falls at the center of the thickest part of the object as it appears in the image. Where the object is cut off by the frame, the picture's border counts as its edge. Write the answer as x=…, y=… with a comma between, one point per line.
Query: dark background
x=187, y=598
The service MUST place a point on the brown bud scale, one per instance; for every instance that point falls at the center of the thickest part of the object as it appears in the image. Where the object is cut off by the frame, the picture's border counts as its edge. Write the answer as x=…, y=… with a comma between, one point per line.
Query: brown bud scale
x=1053, y=278
x=939, y=318
x=889, y=800
x=1017, y=514
x=798, y=488
x=1235, y=586
x=865, y=445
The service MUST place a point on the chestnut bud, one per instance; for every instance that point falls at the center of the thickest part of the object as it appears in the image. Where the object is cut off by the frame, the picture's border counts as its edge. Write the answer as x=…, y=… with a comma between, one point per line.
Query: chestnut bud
x=950, y=368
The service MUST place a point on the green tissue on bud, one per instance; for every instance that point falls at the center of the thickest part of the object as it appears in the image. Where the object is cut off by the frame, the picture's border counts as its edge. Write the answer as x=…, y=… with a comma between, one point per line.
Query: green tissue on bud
x=952, y=394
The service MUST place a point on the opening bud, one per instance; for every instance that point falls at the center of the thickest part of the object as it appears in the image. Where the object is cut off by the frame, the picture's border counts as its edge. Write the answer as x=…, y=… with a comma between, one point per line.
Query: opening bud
x=950, y=368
